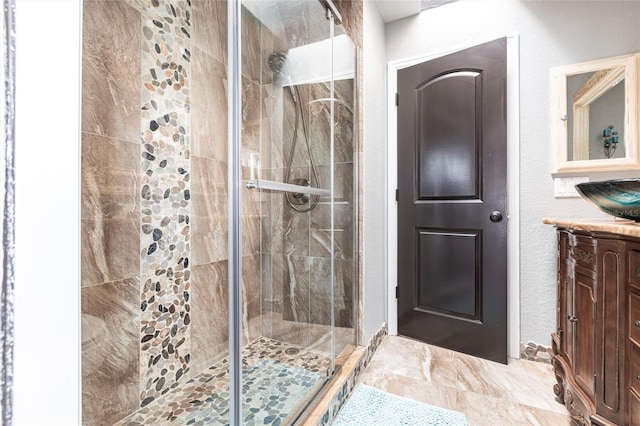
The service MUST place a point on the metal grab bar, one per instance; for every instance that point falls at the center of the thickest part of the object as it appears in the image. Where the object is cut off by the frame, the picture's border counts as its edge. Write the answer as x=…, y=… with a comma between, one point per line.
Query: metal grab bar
x=286, y=187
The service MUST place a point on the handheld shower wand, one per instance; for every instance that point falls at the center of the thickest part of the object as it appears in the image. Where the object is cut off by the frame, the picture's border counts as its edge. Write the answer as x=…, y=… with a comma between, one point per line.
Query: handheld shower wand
x=277, y=61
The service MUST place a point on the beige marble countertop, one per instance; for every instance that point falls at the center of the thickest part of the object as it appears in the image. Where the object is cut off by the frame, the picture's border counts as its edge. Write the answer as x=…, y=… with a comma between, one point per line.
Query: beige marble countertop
x=613, y=225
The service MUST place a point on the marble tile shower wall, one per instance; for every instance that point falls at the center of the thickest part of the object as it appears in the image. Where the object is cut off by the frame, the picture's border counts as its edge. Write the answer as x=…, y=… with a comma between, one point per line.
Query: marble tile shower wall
x=111, y=202
x=154, y=197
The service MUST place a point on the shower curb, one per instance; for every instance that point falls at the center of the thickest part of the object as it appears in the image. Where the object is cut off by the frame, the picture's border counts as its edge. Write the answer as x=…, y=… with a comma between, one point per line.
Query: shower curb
x=341, y=387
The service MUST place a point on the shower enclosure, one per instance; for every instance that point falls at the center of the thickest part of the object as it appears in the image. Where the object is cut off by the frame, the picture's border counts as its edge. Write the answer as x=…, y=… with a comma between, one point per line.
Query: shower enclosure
x=218, y=209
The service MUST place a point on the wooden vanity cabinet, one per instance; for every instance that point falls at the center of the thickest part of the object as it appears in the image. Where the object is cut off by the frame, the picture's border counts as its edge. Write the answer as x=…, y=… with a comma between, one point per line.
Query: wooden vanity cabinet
x=590, y=344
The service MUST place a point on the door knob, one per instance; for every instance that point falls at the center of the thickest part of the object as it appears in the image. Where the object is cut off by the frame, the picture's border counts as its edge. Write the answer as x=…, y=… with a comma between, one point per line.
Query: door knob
x=495, y=216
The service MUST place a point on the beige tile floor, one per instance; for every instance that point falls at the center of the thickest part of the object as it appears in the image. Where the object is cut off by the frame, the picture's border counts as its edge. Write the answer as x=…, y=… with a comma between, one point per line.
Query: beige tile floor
x=488, y=393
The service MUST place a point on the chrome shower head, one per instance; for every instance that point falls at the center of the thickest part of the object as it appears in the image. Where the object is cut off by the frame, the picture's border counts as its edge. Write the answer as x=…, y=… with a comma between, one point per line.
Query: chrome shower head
x=277, y=62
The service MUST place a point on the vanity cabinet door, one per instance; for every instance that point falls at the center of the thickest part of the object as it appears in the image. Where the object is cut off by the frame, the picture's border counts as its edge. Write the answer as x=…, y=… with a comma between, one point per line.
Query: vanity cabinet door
x=583, y=321
x=581, y=312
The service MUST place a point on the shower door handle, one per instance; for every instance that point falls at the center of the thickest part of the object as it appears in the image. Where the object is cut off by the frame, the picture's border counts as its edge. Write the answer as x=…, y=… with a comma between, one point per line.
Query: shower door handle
x=287, y=187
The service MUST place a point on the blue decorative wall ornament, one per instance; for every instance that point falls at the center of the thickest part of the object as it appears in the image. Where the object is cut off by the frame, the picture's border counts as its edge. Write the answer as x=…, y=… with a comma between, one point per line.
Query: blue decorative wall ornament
x=610, y=140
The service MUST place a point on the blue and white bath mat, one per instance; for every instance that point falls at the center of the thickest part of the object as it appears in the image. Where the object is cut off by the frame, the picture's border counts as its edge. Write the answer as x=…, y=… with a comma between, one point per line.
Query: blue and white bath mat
x=371, y=406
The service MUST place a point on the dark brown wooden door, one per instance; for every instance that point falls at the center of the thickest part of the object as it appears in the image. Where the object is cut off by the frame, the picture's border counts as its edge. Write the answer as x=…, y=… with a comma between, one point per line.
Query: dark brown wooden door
x=452, y=150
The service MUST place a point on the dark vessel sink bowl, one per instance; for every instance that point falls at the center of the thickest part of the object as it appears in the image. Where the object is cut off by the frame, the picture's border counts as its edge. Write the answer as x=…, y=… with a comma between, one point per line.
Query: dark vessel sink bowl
x=618, y=197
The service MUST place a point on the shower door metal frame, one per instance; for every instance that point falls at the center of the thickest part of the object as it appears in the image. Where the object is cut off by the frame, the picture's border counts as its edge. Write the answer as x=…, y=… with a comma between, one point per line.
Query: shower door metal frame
x=337, y=17
x=235, y=209
x=331, y=14
x=8, y=212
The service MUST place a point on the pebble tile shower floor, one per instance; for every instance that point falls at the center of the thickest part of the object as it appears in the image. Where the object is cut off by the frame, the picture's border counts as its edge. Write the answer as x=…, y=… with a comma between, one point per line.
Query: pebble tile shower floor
x=277, y=378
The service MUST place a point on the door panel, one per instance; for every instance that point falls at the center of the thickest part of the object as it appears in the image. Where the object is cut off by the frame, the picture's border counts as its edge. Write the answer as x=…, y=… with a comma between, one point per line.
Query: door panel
x=445, y=287
x=451, y=177
x=448, y=155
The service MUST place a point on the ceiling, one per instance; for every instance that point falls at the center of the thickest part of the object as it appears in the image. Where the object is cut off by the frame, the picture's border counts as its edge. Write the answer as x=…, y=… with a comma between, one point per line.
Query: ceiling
x=392, y=10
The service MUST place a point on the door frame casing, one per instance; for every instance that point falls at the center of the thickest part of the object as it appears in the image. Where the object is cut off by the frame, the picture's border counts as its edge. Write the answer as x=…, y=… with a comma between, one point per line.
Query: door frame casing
x=513, y=180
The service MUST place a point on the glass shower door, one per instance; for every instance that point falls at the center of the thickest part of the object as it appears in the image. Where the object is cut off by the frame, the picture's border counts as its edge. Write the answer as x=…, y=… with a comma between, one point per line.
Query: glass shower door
x=286, y=159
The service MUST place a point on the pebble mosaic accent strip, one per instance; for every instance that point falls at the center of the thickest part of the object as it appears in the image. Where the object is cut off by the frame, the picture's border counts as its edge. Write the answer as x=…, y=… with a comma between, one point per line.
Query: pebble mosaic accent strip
x=165, y=195
x=369, y=406
x=277, y=377
x=351, y=381
x=375, y=343
x=533, y=352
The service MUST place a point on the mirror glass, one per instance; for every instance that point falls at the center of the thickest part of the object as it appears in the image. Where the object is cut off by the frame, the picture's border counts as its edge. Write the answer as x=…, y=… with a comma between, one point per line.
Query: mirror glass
x=595, y=115
x=594, y=121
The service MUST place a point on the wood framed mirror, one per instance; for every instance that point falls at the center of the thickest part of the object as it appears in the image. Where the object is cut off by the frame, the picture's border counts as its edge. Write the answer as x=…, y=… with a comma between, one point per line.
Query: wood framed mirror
x=594, y=115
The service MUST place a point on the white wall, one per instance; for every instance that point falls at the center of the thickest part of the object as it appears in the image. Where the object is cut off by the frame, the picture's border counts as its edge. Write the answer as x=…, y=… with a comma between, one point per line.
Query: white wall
x=551, y=33
x=374, y=165
x=47, y=293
